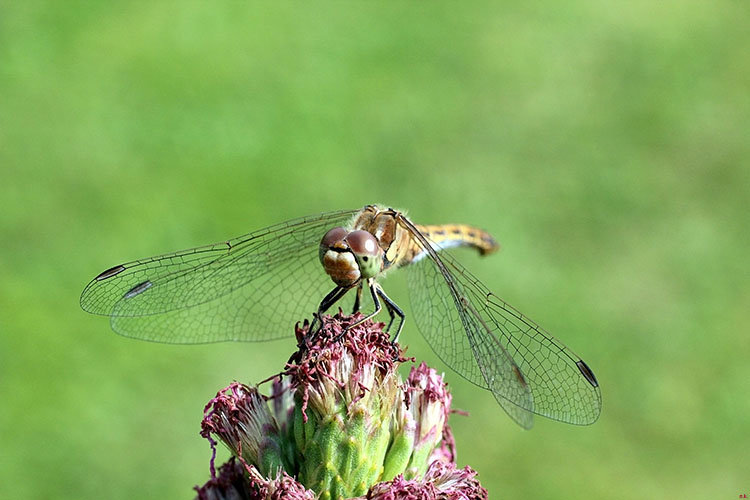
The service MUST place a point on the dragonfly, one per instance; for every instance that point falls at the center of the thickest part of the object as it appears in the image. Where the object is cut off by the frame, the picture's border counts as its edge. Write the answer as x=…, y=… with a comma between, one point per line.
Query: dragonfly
x=251, y=288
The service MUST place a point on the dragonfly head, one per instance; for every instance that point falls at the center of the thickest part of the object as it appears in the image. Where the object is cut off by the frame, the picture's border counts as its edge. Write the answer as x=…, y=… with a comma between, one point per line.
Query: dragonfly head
x=348, y=256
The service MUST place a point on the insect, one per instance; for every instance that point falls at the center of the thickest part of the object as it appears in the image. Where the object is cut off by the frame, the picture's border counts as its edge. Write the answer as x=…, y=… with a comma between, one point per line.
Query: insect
x=251, y=288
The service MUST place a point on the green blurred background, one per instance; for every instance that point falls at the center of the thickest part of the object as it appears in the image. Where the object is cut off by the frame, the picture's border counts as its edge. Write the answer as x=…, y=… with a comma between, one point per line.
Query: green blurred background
x=605, y=145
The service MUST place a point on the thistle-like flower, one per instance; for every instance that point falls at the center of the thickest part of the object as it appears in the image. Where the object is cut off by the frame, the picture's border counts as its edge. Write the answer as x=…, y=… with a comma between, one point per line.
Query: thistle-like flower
x=341, y=424
x=347, y=387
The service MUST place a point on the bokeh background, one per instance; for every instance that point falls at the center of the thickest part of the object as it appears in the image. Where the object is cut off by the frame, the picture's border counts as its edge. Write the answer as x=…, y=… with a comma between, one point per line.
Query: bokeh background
x=605, y=145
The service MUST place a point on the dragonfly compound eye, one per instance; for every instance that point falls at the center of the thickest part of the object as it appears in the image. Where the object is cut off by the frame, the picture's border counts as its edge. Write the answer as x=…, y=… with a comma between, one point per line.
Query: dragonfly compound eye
x=332, y=239
x=362, y=243
x=333, y=236
x=366, y=250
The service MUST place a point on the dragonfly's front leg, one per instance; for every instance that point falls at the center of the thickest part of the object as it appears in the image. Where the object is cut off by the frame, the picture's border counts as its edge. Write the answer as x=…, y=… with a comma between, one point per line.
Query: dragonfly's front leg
x=373, y=292
x=325, y=304
x=357, y=299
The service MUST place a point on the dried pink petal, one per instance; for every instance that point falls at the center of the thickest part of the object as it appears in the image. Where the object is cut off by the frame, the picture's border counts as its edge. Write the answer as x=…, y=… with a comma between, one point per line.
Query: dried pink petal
x=341, y=359
x=441, y=482
x=239, y=416
x=229, y=484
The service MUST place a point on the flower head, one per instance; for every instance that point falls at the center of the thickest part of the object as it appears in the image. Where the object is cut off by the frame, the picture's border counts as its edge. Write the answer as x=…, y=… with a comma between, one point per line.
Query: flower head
x=347, y=387
x=341, y=424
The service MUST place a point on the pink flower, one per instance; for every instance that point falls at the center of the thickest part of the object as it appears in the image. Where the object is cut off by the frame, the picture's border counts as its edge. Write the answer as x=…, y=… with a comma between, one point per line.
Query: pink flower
x=341, y=424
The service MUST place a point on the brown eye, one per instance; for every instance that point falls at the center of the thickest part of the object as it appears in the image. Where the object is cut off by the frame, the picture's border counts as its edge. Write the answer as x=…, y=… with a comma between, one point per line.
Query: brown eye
x=333, y=236
x=362, y=243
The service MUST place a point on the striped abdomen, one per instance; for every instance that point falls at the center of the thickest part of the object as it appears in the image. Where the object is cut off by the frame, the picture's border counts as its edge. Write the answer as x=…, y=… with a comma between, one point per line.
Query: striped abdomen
x=449, y=236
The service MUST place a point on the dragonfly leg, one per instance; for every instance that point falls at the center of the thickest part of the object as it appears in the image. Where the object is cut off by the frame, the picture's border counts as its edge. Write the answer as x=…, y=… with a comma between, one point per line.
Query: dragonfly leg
x=325, y=304
x=357, y=299
x=378, y=307
x=389, y=306
x=393, y=311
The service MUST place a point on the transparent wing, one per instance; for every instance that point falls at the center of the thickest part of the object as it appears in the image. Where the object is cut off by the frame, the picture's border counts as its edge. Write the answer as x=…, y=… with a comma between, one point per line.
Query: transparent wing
x=249, y=288
x=496, y=347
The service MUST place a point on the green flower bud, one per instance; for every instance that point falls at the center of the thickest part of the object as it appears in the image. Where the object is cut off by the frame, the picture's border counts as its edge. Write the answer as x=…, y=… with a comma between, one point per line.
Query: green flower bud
x=347, y=389
x=419, y=424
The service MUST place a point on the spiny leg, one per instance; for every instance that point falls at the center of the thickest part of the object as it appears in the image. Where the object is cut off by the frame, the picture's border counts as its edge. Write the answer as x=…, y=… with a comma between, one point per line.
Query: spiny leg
x=357, y=299
x=325, y=304
x=389, y=308
x=393, y=311
x=373, y=292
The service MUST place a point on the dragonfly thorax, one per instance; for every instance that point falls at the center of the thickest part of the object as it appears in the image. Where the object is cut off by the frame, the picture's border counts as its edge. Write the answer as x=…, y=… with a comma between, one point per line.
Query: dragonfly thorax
x=350, y=256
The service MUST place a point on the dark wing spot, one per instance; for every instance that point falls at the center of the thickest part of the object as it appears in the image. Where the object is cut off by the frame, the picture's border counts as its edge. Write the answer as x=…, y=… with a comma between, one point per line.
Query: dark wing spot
x=519, y=375
x=587, y=373
x=456, y=230
x=112, y=271
x=472, y=234
x=139, y=288
x=440, y=232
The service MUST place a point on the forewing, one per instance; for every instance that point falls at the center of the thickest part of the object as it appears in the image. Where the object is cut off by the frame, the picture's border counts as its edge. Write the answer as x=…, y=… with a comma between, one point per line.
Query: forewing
x=560, y=385
x=250, y=288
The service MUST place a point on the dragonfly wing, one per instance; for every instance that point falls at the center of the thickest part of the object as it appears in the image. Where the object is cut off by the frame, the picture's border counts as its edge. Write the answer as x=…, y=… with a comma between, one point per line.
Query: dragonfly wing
x=459, y=337
x=249, y=288
x=526, y=368
x=563, y=386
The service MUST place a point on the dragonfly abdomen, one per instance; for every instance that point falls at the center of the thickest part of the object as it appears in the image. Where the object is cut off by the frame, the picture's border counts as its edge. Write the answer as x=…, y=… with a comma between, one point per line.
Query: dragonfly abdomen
x=444, y=236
